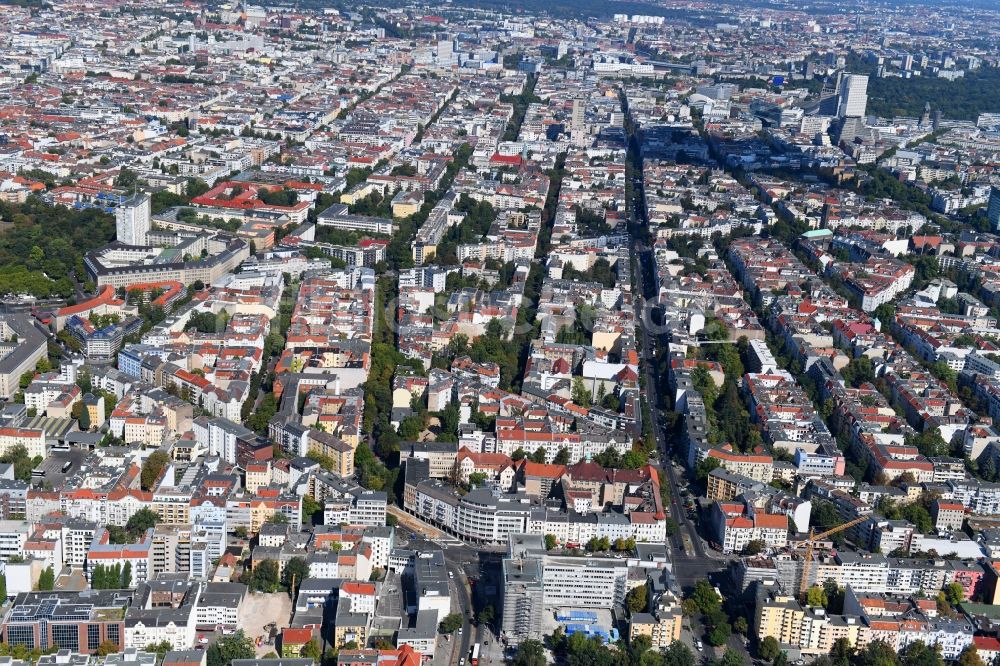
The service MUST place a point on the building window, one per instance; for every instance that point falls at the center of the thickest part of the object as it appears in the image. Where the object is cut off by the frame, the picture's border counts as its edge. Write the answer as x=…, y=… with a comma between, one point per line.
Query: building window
x=66, y=636
x=113, y=633
x=93, y=637
x=21, y=634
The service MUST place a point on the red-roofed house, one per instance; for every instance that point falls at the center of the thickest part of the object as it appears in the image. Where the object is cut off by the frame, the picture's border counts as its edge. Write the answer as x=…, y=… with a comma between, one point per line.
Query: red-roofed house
x=293, y=639
x=735, y=526
x=948, y=516
x=988, y=648
x=497, y=467
x=360, y=596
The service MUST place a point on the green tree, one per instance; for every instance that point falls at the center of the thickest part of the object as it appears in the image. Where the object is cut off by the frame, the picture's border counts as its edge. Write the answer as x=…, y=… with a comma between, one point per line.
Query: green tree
x=539, y=455
x=580, y=394
x=886, y=314
x=264, y=577
x=160, y=648
x=638, y=648
x=877, y=653
x=142, y=520
x=637, y=599
x=106, y=647
x=152, y=467
x=477, y=479
x=705, y=467
x=550, y=541
x=562, y=457
x=719, y=634
x=816, y=597
x=228, y=648
x=311, y=509
x=451, y=623
x=277, y=518
x=970, y=657
x=769, y=648
x=859, y=371
x=842, y=653
x=930, y=443
x=296, y=570
x=312, y=650
x=954, y=593
x=411, y=427
x=705, y=598
x=609, y=458
x=47, y=580
x=17, y=455
x=530, y=653
x=126, y=579
x=84, y=418
x=704, y=384
x=824, y=516
x=919, y=653
x=678, y=654
x=834, y=596
x=634, y=459
x=729, y=658
x=486, y=615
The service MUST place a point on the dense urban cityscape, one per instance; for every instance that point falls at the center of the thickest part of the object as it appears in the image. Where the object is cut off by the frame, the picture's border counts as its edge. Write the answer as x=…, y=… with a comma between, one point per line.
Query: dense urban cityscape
x=482, y=332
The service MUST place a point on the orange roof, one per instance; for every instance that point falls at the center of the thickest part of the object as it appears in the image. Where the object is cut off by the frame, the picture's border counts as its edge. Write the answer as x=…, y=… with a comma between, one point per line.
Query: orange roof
x=724, y=456
x=105, y=297
x=484, y=459
x=771, y=520
x=354, y=587
x=541, y=469
x=295, y=636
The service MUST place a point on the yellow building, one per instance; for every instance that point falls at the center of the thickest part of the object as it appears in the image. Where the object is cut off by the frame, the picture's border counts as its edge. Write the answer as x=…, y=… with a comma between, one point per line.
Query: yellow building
x=723, y=485
x=257, y=476
x=820, y=631
x=173, y=505
x=350, y=628
x=340, y=452
x=662, y=628
x=95, y=409
x=606, y=339
x=407, y=203
x=780, y=616
x=293, y=639
x=357, y=193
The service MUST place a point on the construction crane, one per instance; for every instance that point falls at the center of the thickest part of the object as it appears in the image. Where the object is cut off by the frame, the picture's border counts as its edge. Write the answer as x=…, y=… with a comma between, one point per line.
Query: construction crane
x=811, y=542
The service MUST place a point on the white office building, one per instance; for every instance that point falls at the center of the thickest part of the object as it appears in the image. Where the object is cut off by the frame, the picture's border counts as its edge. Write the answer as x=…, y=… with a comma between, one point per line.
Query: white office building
x=132, y=220
x=853, y=96
x=584, y=581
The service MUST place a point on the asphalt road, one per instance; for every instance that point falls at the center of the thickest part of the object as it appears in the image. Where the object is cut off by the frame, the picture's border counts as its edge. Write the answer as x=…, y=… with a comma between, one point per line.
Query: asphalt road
x=463, y=563
x=464, y=598
x=691, y=560
x=693, y=545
